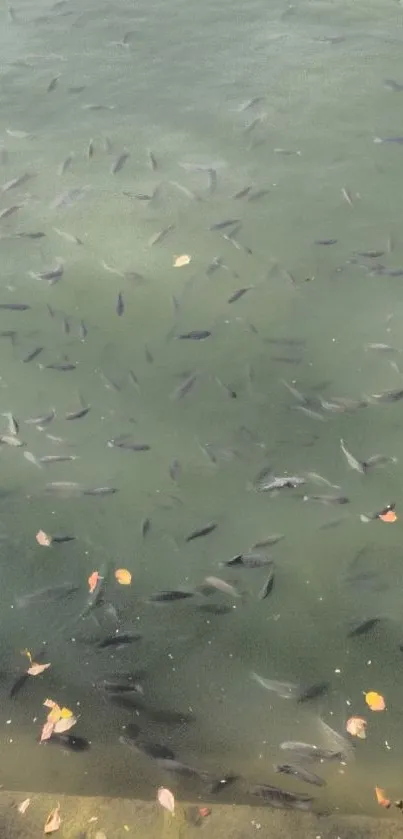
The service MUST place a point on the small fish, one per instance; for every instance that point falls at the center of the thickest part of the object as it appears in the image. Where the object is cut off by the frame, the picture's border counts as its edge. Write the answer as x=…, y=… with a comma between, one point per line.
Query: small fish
x=120, y=306
x=398, y=140
x=145, y=527
x=248, y=561
x=242, y=193
x=15, y=307
x=238, y=294
x=286, y=690
x=309, y=412
x=119, y=639
x=43, y=595
x=270, y=540
x=347, y=196
x=363, y=627
x=160, y=235
x=68, y=236
x=267, y=587
x=258, y=194
x=79, y=414
x=66, y=164
x=62, y=367
x=313, y=691
x=309, y=751
x=99, y=491
x=120, y=161
x=174, y=469
x=169, y=596
x=267, y=482
x=222, y=783
x=327, y=499
x=202, y=531
x=42, y=420
x=222, y=225
x=178, y=768
x=300, y=773
x=33, y=354
x=11, y=440
x=325, y=241
x=388, y=396
x=282, y=798
x=152, y=160
x=195, y=335
x=184, y=387
x=13, y=425
x=16, y=182
x=58, y=458
x=351, y=460
x=52, y=84
x=221, y=585
x=69, y=741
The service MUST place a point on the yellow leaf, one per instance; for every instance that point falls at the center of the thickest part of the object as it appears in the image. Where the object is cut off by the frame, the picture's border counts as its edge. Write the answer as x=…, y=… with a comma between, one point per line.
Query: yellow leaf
x=123, y=576
x=65, y=713
x=182, y=260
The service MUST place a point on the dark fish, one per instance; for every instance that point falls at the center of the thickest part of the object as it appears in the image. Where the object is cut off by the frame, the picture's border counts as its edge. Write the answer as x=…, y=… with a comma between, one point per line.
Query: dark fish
x=300, y=773
x=119, y=639
x=120, y=306
x=100, y=491
x=393, y=85
x=60, y=540
x=221, y=225
x=70, y=741
x=370, y=254
x=242, y=192
x=248, y=561
x=195, y=335
x=281, y=798
x=168, y=596
x=145, y=527
x=202, y=531
x=308, y=751
x=328, y=499
x=325, y=241
x=271, y=540
x=363, y=627
x=23, y=678
x=15, y=307
x=154, y=750
x=258, y=194
x=313, y=691
x=26, y=235
x=64, y=367
x=82, y=412
x=120, y=161
x=174, y=469
x=217, y=609
x=32, y=355
x=184, y=387
x=238, y=294
x=267, y=587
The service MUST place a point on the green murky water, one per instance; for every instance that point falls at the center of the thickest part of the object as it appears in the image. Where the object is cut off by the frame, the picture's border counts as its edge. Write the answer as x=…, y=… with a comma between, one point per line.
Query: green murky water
x=286, y=101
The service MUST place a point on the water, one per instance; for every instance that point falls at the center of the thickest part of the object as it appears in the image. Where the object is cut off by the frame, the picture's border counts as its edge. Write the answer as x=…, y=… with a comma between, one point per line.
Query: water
x=176, y=79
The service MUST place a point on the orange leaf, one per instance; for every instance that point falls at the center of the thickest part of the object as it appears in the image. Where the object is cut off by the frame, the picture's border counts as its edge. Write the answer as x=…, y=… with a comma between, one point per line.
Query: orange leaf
x=43, y=539
x=182, y=260
x=389, y=516
x=64, y=724
x=123, y=576
x=375, y=701
x=93, y=580
x=53, y=820
x=47, y=731
x=356, y=726
x=36, y=669
x=381, y=798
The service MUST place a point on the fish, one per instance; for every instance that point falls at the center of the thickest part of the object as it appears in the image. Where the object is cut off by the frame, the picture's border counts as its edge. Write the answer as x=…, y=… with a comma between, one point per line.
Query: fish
x=174, y=469
x=270, y=540
x=51, y=276
x=247, y=561
x=79, y=414
x=222, y=225
x=64, y=488
x=218, y=784
x=13, y=424
x=62, y=367
x=44, y=595
x=388, y=395
x=160, y=235
x=217, y=609
x=32, y=355
x=119, y=163
x=309, y=751
x=178, y=768
x=195, y=335
x=169, y=596
x=313, y=691
x=16, y=182
x=281, y=798
x=43, y=419
x=221, y=585
x=202, y=531
x=309, y=412
x=153, y=750
x=378, y=460
x=184, y=387
x=68, y=236
x=9, y=211
x=11, y=440
x=265, y=481
x=325, y=241
x=120, y=306
x=152, y=160
x=119, y=639
x=393, y=85
x=328, y=499
x=57, y=458
x=352, y=461
x=286, y=690
x=363, y=627
x=300, y=773
x=398, y=140
x=105, y=490
x=126, y=444
x=15, y=307
x=242, y=193
x=267, y=587
x=238, y=294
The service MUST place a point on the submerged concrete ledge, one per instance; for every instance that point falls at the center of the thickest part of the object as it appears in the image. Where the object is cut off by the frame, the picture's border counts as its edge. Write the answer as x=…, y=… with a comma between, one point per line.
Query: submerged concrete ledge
x=114, y=818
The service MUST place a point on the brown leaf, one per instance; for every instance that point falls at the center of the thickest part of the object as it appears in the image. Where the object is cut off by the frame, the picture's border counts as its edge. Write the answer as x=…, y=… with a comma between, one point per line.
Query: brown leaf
x=37, y=669
x=53, y=820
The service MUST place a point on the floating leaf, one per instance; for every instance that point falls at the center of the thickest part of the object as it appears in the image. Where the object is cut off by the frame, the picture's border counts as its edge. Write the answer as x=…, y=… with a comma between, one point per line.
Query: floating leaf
x=50, y=703
x=47, y=731
x=65, y=713
x=357, y=727
x=53, y=820
x=375, y=701
x=123, y=576
x=93, y=581
x=54, y=715
x=43, y=539
x=182, y=260
x=23, y=807
x=166, y=799
x=36, y=669
x=64, y=724
x=381, y=798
